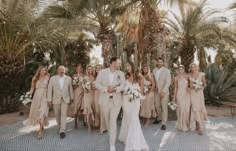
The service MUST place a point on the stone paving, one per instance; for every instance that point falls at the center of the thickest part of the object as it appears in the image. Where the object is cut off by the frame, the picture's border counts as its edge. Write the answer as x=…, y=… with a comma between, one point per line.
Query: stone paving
x=219, y=135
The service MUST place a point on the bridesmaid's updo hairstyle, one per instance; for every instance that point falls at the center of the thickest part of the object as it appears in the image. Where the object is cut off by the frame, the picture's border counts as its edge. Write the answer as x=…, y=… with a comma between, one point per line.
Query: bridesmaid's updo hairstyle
x=181, y=66
x=191, y=65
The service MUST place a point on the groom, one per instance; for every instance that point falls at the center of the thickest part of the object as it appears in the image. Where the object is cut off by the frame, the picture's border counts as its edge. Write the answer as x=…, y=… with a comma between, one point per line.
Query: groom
x=60, y=94
x=111, y=82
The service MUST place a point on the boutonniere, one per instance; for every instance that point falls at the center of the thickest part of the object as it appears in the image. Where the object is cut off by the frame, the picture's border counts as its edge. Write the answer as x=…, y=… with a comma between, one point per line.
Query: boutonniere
x=118, y=78
x=118, y=81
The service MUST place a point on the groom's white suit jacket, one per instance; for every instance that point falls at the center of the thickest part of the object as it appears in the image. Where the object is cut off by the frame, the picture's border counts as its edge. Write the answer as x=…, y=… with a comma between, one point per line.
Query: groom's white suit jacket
x=102, y=83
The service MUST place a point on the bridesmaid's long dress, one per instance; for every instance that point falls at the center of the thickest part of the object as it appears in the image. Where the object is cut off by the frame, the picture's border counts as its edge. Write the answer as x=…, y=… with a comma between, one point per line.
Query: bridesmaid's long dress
x=198, y=109
x=78, y=99
x=183, y=104
x=147, y=104
x=39, y=108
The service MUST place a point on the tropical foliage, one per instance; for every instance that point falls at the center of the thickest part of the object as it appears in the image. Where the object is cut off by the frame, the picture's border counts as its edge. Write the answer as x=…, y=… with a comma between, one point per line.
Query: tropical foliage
x=33, y=33
x=197, y=30
x=221, y=85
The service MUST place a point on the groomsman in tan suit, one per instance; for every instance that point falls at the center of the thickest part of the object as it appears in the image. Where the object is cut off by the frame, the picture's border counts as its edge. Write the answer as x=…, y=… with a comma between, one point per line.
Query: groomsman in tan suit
x=60, y=94
x=111, y=82
x=163, y=80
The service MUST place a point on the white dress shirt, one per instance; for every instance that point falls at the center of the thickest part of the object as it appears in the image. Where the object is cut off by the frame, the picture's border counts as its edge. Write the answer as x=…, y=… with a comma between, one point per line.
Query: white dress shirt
x=111, y=76
x=157, y=74
x=61, y=81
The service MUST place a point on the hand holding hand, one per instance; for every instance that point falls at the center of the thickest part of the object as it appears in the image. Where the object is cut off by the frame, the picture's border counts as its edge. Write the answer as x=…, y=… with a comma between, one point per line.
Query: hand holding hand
x=162, y=94
x=174, y=99
x=49, y=104
x=71, y=101
x=110, y=89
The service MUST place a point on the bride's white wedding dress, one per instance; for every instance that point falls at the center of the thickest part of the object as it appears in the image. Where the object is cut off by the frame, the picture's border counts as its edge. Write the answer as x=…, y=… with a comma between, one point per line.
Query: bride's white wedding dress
x=131, y=133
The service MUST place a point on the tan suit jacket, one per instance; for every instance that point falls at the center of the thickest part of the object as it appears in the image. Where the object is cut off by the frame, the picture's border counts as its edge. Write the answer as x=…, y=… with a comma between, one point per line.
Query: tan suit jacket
x=102, y=82
x=164, y=80
x=56, y=94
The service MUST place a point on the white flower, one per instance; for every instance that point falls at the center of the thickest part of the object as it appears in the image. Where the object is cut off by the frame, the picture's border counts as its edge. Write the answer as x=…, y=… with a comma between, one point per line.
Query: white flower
x=141, y=96
x=130, y=96
x=126, y=88
x=136, y=93
x=172, y=105
x=145, y=89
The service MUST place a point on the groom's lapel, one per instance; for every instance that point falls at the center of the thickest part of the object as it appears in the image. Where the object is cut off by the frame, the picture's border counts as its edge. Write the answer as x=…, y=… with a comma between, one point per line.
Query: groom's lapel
x=115, y=79
x=106, y=77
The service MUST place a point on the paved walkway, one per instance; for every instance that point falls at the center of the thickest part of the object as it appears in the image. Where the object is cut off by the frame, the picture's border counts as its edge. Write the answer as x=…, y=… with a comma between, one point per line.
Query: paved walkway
x=219, y=134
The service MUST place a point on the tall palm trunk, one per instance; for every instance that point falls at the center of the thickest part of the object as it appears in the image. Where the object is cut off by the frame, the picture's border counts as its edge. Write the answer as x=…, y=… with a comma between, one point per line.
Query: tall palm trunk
x=202, y=59
x=150, y=31
x=106, y=36
x=187, y=56
x=10, y=70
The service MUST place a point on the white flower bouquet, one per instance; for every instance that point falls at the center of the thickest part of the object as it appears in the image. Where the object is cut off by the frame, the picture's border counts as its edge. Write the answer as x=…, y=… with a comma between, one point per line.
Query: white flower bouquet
x=86, y=84
x=196, y=84
x=77, y=81
x=133, y=93
x=172, y=105
x=26, y=98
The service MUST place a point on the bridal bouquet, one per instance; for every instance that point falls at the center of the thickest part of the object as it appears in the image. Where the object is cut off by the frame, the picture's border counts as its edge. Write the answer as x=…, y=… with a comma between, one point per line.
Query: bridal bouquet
x=26, y=98
x=196, y=83
x=172, y=105
x=77, y=81
x=133, y=92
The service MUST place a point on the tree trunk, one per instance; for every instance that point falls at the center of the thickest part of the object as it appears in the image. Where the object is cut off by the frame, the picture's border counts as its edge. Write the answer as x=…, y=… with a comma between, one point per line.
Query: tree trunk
x=150, y=31
x=187, y=57
x=106, y=37
x=202, y=59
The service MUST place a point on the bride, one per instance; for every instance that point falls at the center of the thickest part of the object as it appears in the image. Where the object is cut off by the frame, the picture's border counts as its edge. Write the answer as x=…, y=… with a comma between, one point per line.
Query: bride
x=131, y=132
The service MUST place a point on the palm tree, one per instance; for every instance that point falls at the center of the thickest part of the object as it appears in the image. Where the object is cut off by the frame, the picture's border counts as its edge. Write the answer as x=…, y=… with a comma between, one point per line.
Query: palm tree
x=151, y=33
x=20, y=27
x=232, y=6
x=100, y=15
x=197, y=30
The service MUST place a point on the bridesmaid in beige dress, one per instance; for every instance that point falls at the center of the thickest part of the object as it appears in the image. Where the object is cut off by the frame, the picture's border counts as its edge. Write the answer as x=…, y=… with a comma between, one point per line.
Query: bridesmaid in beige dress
x=198, y=109
x=182, y=99
x=89, y=97
x=99, y=116
x=39, y=109
x=78, y=95
x=96, y=108
x=147, y=104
